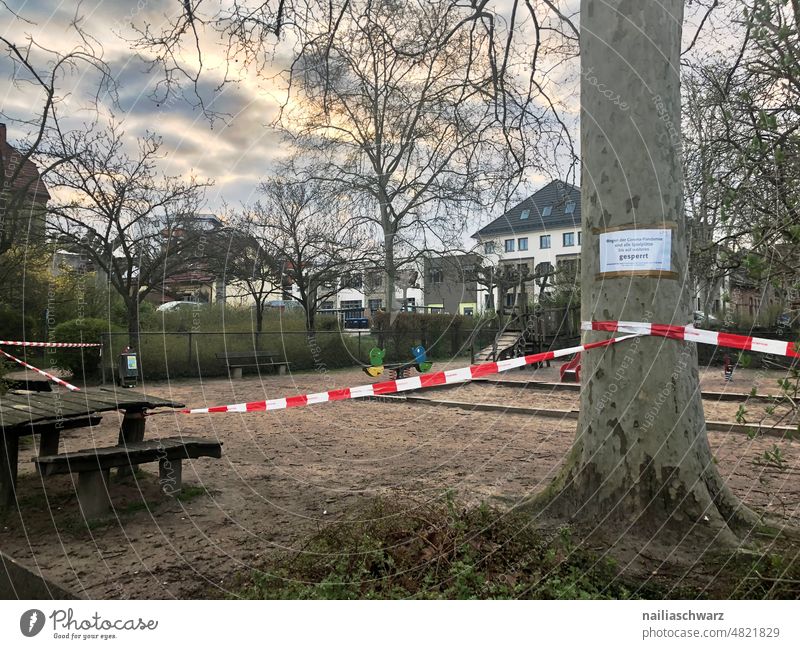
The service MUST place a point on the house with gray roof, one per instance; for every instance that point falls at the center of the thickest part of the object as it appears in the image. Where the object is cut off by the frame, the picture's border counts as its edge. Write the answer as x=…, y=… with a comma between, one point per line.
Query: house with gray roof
x=545, y=228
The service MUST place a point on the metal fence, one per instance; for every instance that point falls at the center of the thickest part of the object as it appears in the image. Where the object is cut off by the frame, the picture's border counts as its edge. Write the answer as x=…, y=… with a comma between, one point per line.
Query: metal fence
x=175, y=354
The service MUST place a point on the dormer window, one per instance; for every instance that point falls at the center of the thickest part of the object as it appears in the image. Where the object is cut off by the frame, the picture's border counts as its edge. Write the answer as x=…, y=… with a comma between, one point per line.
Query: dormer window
x=569, y=208
x=525, y=214
x=547, y=211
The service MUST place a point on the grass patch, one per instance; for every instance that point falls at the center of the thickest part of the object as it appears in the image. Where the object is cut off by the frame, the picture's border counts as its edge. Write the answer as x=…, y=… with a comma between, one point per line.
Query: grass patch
x=395, y=550
x=190, y=493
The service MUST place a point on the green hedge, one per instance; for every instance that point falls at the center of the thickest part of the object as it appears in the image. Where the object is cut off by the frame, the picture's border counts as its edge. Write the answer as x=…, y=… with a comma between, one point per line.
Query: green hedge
x=14, y=325
x=81, y=362
x=176, y=355
x=442, y=335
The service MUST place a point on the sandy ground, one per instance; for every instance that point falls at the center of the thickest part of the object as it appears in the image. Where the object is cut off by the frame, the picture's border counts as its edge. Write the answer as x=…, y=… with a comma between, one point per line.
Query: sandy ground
x=285, y=473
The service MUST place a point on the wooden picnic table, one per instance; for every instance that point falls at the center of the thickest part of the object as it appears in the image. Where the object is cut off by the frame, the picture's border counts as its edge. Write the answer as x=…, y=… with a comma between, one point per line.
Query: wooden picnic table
x=48, y=413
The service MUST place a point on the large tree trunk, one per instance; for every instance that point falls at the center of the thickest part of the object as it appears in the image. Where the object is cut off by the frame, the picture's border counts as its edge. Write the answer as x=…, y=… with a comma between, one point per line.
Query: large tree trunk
x=641, y=455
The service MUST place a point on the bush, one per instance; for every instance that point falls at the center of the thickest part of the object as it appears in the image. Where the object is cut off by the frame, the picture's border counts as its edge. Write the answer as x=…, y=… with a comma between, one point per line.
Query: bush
x=14, y=325
x=216, y=318
x=401, y=549
x=440, y=334
x=186, y=354
x=81, y=361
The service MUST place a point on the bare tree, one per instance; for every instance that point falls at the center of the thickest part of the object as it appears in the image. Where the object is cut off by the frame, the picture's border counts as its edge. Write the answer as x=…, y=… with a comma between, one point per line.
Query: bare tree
x=741, y=152
x=246, y=267
x=423, y=108
x=41, y=79
x=135, y=223
x=397, y=106
x=301, y=244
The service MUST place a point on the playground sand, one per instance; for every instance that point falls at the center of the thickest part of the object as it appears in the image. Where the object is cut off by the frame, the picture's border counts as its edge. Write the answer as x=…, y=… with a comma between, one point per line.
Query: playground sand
x=284, y=474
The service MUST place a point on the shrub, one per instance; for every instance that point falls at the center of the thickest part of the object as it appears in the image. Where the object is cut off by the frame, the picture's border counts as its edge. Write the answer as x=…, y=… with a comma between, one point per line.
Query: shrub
x=440, y=334
x=402, y=548
x=219, y=318
x=13, y=324
x=81, y=361
x=185, y=354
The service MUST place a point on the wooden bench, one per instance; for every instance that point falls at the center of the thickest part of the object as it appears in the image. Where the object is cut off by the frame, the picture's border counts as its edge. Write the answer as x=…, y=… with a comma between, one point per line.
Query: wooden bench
x=237, y=360
x=93, y=466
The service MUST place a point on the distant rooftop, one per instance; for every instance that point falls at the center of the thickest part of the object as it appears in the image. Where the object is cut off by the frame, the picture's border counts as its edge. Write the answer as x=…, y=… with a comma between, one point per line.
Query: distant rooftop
x=27, y=177
x=555, y=206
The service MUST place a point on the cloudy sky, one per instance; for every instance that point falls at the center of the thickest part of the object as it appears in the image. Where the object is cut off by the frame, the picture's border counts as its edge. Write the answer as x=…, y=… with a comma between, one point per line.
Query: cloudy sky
x=236, y=152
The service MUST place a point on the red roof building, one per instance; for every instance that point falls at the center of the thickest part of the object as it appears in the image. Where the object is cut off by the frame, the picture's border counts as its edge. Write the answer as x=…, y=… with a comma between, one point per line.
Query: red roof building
x=18, y=173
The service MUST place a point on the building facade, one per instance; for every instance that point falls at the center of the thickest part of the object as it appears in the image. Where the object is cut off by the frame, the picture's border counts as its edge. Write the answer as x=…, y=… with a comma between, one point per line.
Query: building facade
x=544, y=229
x=450, y=285
x=23, y=197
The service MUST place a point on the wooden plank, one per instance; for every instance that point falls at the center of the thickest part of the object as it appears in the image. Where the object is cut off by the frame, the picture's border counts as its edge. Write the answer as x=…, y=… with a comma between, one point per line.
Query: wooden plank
x=253, y=354
x=91, y=401
x=56, y=404
x=130, y=398
x=10, y=417
x=68, y=423
x=15, y=403
x=27, y=410
x=105, y=400
x=275, y=364
x=99, y=459
x=49, y=406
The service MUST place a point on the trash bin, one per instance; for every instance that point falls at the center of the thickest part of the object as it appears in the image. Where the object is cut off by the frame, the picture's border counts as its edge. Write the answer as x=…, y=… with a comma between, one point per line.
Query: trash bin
x=128, y=368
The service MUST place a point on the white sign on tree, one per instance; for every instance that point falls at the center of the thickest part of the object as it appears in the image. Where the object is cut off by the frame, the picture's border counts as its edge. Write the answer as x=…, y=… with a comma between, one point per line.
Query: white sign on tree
x=625, y=251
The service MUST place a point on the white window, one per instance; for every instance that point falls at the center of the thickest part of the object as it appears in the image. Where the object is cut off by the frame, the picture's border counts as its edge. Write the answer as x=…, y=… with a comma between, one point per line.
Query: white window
x=569, y=239
x=509, y=245
x=544, y=241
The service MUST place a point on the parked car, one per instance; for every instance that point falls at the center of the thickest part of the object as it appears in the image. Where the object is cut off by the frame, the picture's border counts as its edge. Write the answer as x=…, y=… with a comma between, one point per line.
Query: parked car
x=284, y=304
x=700, y=319
x=178, y=304
x=786, y=321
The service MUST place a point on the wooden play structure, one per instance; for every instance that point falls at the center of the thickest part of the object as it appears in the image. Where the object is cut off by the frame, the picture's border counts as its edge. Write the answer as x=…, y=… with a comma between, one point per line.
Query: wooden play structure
x=531, y=331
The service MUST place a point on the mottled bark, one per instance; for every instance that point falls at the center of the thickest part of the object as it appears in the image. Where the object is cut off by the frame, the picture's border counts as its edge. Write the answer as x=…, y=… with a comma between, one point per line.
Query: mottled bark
x=641, y=456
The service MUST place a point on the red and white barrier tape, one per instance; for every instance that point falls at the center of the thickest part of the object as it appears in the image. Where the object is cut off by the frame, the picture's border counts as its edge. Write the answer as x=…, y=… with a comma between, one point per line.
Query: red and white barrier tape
x=24, y=343
x=447, y=377
x=55, y=379
x=702, y=336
